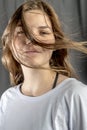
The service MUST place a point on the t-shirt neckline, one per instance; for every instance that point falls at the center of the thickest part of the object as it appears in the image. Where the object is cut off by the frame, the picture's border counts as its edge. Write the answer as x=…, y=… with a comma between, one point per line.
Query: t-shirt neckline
x=58, y=86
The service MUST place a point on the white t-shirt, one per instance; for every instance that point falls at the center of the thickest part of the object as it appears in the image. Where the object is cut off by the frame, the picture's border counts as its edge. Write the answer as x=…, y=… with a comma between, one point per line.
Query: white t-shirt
x=62, y=108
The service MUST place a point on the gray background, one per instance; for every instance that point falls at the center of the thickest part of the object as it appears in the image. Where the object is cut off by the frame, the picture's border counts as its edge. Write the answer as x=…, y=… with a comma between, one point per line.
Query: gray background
x=73, y=16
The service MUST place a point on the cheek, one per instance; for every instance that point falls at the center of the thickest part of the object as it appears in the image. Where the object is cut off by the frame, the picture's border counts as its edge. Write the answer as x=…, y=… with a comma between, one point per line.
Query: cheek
x=53, y=39
x=50, y=39
x=19, y=43
x=48, y=54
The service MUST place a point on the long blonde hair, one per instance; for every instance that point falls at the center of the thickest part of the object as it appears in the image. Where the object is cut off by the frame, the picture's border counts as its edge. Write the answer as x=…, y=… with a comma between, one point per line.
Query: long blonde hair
x=59, y=61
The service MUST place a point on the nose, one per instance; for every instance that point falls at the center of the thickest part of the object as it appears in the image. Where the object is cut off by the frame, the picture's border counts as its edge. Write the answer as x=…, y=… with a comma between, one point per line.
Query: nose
x=28, y=41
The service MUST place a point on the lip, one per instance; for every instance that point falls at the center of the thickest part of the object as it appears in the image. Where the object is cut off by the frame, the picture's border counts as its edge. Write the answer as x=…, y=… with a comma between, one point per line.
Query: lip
x=32, y=51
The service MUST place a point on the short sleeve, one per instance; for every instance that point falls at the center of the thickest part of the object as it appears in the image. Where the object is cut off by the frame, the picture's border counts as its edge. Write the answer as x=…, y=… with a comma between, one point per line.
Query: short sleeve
x=78, y=111
x=72, y=110
x=3, y=105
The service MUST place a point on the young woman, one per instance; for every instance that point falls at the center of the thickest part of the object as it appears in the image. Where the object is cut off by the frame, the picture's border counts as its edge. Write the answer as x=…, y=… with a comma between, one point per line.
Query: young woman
x=45, y=95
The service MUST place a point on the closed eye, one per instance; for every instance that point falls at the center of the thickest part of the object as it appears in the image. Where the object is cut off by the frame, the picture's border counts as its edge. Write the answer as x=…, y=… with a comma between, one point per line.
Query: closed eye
x=20, y=32
x=44, y=33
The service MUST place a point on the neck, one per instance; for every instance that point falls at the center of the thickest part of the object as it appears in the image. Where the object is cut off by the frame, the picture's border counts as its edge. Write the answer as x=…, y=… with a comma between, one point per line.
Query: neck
x=37, y=81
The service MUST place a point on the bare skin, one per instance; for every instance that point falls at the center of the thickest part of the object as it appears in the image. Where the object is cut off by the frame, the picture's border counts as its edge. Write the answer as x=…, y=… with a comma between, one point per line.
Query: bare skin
x=39, y=82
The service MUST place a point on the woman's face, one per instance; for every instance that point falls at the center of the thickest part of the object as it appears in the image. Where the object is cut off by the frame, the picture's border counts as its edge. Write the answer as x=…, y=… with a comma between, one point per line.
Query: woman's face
x=23, y=48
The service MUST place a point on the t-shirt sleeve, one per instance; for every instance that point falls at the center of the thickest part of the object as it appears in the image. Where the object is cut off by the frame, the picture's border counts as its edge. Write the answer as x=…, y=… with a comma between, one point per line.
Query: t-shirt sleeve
x=78, y=111
x=72, y=110
x=3, y=105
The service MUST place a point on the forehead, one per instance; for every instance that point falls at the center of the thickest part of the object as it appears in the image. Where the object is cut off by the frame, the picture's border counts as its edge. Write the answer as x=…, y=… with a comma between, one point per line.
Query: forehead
x=37, y=18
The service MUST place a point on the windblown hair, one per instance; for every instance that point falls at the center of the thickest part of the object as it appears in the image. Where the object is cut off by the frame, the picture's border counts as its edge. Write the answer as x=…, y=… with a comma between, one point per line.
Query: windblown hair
x=59, y=61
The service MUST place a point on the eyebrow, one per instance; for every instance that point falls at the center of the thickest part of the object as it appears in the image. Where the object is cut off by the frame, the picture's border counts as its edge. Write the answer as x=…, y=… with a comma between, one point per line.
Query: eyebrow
x=42, y=27
x=19, y=25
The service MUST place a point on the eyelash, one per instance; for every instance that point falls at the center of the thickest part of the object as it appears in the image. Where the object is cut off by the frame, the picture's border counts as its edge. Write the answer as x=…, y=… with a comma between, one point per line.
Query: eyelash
x=41, y=32
x=44, y=33
x=20, y=32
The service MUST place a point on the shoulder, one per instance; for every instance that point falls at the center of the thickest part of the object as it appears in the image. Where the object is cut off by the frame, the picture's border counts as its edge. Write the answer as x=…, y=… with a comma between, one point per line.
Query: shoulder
x=76, y=87
x=71, y=85
x=74, y=98
x=73, y=93
x=9, y=92
x=6, y=96
x=73, y=104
